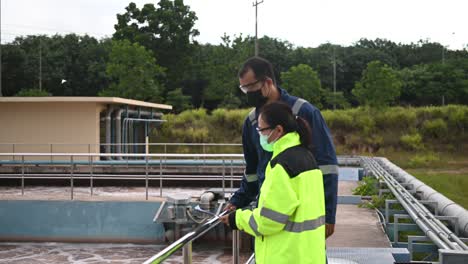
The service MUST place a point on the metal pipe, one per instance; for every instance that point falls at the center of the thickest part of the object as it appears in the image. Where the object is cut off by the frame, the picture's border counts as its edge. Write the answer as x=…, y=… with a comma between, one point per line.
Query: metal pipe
x=146, y=173
x=129, y=122
x=71, y=177
x=108, y=120
x=445, y=233
x=445, y=206
x=235, y=246
x=188, y=238
x=22, y=175
x=251, y=260
x=416, y=212
x=431, y=226
x=407, y=207
x=118, y=132
x=160, y=177
x=138, y=113
x=187, y=253
x=205, y=199
x=92, y=174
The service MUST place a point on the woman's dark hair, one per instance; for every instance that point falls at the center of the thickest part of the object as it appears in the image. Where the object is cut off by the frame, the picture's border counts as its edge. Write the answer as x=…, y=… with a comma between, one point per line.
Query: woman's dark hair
x=278, y=113
x=261, y=68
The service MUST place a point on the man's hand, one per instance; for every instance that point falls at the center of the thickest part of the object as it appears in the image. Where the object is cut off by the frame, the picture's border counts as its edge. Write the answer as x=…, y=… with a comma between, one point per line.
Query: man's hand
x=230, y=207
x=329, y=230
x=224, y=219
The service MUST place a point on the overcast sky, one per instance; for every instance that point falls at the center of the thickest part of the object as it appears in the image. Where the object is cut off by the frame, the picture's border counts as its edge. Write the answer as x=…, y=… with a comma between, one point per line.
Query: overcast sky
x=306, y=23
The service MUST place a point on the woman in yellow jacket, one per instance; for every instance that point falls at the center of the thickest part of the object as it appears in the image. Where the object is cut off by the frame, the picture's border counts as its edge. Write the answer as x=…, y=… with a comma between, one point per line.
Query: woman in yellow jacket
x=288, y=224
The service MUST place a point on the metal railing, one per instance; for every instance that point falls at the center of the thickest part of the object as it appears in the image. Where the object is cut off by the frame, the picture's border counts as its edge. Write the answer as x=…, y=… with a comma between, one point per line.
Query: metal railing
x=88, y=148
x=225, y=161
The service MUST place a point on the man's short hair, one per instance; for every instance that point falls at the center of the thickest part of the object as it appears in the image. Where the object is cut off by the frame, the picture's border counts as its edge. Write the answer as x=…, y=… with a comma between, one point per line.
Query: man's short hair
x=261, y=68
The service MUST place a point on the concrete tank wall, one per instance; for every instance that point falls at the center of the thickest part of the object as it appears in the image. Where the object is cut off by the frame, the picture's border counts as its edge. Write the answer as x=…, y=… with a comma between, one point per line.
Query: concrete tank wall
x=80, y=221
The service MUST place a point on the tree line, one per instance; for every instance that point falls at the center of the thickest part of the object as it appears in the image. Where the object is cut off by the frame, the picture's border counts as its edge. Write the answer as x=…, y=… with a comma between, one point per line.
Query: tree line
x=154, y=56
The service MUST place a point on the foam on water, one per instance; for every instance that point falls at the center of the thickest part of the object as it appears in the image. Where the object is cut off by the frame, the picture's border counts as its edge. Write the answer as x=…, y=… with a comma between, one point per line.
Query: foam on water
x=101, y=253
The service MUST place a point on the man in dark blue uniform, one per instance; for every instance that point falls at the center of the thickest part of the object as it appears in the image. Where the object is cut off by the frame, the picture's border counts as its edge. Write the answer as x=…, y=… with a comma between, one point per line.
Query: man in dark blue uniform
x=257, y=81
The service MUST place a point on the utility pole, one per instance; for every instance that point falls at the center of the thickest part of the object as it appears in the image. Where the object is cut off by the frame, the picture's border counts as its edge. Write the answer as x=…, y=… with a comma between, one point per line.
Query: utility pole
x=334, y=79
x=1, y=48
x=40, y=64
x=256, y=26
x=443, y=63
x=443, y=54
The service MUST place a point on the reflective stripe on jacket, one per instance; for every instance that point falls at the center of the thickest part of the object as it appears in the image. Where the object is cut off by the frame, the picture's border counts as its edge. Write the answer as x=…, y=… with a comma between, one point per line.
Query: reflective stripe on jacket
x=289, y=223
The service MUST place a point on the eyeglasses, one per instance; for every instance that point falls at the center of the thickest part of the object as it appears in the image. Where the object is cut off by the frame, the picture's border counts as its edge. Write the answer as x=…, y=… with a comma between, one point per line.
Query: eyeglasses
x=247, y=88
x=263, y=129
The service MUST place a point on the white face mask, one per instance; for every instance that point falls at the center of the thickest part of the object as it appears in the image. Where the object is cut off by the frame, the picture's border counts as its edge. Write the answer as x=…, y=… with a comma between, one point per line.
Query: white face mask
x=264, y=142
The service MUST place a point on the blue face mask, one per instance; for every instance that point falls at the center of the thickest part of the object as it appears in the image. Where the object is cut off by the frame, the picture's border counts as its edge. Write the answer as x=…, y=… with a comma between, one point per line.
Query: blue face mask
x=264, y=142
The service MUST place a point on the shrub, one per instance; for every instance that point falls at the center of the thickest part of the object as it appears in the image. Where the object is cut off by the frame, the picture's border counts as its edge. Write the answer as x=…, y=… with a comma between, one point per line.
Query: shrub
x=218, y=116
x=429, y=112
x=365, y=122
x=457, y=117
x=436, y=128
x=412, y=142
x=396, y=118
x=235, y=119
x=368, y=186
x=338, y=120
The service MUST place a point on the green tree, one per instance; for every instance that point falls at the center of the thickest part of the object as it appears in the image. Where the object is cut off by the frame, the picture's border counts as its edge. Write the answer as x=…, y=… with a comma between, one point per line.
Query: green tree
x=436, y=83
x=168, y=31
x=380, y=85
x=215, y=70
x=178, y=100
x=78, y=59
x=303, y=81
x=13, y=66
x=133, y=72
x=278, y=52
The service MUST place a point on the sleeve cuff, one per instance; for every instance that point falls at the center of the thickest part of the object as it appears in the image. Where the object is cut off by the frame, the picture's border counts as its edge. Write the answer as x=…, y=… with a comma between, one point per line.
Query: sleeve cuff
x=232, y=220
x=329, y=219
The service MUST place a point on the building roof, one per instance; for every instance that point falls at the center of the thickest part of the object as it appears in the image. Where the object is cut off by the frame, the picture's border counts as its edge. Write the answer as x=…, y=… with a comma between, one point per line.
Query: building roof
x=73, y=99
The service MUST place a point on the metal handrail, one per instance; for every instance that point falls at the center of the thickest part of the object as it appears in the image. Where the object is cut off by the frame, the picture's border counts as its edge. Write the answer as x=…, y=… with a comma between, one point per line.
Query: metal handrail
x=155, y=155
x=186, y=241
x=92, y=175
x=114, y=144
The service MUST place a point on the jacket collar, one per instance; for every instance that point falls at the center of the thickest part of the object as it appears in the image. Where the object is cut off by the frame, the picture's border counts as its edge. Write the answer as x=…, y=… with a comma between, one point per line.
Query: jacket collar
x=291, y=139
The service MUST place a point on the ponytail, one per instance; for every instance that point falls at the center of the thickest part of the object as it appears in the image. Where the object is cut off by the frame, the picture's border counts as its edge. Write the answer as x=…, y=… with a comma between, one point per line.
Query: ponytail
x=305, y=133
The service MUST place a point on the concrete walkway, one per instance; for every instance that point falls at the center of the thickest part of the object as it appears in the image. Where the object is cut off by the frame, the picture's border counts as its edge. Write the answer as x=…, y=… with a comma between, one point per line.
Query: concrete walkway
x=356, y=227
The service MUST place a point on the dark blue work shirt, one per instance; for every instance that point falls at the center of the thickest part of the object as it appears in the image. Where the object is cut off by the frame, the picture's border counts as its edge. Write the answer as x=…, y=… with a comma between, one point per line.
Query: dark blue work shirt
x=257, y=159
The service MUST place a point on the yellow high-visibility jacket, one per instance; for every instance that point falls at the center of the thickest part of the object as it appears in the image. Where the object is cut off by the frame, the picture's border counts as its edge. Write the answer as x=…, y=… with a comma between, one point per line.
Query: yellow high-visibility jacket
x=289, y=222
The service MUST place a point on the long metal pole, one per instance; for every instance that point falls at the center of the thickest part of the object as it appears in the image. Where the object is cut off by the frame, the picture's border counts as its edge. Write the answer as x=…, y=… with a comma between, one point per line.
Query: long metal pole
x=334, y=79
x=256, y=25
x=40, y=64
x=187, y=253
x=1, y=48
x=235, y=246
